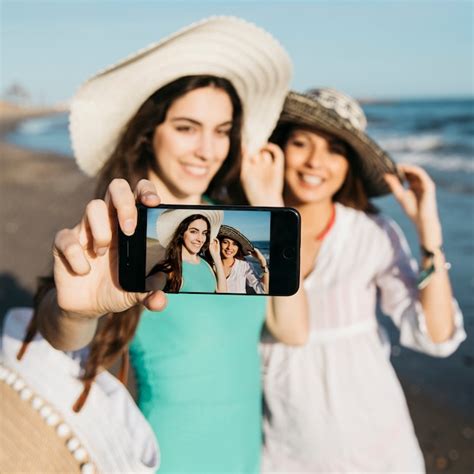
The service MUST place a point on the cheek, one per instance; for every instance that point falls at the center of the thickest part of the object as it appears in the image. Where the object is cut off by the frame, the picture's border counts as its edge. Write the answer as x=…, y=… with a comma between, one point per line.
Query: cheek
x=222, y=148
x=293, y=160
x=340, y=169
x=168, y=144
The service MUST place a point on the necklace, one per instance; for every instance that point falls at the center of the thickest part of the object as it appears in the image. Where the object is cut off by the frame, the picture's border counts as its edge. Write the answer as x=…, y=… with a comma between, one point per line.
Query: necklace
x=329, y=225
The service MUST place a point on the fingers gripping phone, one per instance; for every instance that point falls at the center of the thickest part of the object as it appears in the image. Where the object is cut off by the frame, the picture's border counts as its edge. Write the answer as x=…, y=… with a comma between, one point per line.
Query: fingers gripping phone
x=212, y=250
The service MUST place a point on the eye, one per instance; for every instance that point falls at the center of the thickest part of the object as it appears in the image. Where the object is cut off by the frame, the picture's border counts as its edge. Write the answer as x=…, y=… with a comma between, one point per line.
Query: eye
x=224, y=132
x=298, y=143
x=338, y=147
x=188, y=129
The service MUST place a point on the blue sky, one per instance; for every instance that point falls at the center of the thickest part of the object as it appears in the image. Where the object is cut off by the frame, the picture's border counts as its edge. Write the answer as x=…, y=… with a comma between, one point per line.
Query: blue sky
x=379, y=49
x=255, y=225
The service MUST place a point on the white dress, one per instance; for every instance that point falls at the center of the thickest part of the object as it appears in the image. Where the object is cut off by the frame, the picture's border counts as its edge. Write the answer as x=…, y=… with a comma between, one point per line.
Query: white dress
x=335, y=404
x=242, y=275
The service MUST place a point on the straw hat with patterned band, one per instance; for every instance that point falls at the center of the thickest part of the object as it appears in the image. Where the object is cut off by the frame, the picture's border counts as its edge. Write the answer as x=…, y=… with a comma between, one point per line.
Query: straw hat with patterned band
x=230, y=232
x=332, y=111
x=169, y=220
x=228, y=47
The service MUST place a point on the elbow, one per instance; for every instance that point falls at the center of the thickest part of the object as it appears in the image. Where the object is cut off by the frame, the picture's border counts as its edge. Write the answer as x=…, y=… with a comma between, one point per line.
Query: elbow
x=296, y=338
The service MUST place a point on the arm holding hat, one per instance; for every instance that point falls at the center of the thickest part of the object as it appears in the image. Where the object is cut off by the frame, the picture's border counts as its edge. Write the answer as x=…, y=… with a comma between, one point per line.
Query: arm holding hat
x=85, y=269
x=419, y=203
x=262, y=177
x=265, y=280
x=215, y=251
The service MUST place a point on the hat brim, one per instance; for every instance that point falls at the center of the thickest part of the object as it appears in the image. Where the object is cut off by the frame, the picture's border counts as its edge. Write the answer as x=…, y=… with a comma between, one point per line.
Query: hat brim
x=231, y=48
x=374, y=162
x=169, y=220
x=234, y=234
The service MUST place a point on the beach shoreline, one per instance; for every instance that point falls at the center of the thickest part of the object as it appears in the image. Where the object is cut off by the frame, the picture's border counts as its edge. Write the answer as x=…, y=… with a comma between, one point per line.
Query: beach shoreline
x=43, y=192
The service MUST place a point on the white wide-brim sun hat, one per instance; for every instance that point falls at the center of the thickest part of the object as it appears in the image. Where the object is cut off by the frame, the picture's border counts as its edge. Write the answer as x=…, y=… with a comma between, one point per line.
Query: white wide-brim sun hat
x=169, y=220
x=228, y=47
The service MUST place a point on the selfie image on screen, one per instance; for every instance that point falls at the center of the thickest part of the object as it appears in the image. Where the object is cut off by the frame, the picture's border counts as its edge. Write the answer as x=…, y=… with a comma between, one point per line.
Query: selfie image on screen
x=208, y=251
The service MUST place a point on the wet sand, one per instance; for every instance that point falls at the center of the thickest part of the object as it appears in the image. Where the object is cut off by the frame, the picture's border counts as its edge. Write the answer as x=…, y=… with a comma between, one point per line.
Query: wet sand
x=42, y=193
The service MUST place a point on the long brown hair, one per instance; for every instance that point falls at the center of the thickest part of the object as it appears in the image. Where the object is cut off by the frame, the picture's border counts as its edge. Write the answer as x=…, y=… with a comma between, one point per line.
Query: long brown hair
x=352, y=193
x=134, y=157
x=173, y=263
x=132, y=160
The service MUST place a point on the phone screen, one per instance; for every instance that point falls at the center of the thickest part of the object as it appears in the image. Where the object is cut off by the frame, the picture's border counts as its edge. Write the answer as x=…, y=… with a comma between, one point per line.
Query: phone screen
x=237, y=250
x=208, y=251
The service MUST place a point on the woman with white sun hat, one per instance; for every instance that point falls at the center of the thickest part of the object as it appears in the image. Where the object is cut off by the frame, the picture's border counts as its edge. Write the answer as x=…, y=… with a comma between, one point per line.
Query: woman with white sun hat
x=172, y=117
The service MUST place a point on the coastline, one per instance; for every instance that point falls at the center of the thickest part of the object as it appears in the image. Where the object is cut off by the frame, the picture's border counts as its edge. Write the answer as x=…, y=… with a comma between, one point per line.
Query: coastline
x=43, y=192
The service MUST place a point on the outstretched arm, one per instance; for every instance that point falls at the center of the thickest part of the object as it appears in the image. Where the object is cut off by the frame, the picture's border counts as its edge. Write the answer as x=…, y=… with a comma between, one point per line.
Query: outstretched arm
x=85, y=269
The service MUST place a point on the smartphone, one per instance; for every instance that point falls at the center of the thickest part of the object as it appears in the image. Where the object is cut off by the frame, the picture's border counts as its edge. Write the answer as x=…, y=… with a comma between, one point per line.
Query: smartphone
x=212, y=250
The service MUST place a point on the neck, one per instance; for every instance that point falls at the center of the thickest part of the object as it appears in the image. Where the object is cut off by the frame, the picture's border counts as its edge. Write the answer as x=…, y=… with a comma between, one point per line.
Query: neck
x=168, y=196
x=314, y=216
x=187, y=256
x=228, y=262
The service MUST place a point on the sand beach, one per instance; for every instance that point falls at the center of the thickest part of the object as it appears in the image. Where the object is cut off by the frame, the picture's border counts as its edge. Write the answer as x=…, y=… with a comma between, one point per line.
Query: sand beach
x=42, y=192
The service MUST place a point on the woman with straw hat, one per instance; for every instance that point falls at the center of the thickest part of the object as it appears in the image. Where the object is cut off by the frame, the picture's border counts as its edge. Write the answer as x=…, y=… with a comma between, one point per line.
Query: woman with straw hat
x=186, y=235
x=336, y=405
x=172, y=117
x=234, y=246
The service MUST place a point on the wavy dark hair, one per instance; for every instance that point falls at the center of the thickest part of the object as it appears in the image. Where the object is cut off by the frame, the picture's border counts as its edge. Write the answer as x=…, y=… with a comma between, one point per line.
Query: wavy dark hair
x=352, y=193
x=133, y=157
x=173, y=263
x=132, y=160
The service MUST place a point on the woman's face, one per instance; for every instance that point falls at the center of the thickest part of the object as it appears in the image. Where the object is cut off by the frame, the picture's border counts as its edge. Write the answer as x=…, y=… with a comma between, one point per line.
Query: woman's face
x=315, y=166
x=195, y=236
x=229, y=248
x=193, y=141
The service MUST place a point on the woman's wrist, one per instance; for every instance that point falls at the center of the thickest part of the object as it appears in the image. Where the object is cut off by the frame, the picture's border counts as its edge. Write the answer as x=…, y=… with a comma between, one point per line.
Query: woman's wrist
x=430, y=235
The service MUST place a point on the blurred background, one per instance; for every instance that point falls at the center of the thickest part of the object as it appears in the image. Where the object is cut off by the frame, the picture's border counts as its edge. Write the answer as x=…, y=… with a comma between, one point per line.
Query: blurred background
x=410, y=63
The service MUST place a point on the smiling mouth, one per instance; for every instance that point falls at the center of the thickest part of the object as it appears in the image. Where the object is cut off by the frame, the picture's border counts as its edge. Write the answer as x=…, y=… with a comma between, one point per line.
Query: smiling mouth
x=228, y=252
x=195, y=170
x=310, y=179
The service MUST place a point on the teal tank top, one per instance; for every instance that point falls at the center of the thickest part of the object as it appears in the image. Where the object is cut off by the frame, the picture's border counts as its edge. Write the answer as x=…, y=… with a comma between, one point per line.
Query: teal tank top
x=198, y=376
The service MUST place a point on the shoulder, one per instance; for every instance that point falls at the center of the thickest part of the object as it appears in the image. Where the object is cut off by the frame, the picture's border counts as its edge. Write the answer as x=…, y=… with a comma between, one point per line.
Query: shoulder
x=360, y=221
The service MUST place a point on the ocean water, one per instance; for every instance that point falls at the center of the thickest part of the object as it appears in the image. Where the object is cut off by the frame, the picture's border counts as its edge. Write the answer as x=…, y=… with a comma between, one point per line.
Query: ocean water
x=435, y=134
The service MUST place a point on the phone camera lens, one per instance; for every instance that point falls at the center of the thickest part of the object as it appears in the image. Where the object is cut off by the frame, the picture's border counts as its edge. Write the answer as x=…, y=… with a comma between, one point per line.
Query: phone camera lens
x=289, y=253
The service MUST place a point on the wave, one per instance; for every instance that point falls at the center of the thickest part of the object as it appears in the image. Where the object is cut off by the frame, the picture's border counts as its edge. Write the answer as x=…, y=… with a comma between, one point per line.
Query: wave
x=441, y=163
x=43, y=125
x=460, y=121
x=415, y=143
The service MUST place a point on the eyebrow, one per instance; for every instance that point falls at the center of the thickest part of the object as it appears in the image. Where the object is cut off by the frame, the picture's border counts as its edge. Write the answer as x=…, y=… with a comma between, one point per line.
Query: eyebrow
x=196, y=122
x=195, y=228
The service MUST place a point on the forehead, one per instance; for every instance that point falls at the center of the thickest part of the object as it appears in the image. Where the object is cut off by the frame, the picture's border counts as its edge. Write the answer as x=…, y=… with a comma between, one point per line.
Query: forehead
x=312, y=132
x=204, y=105
x=200, y=224
x=228, y=239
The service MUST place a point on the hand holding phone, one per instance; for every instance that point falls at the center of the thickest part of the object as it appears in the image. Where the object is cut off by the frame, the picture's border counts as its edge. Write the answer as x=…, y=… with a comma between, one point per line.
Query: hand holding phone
x=86, y=257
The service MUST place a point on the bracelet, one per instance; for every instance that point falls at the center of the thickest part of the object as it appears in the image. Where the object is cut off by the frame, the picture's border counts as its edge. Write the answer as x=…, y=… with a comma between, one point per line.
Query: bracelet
x=426, y=274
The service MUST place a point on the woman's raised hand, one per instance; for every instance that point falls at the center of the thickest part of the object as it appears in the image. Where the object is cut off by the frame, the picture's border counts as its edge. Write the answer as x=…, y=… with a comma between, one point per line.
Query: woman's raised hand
x=262, y=176
x=86, y=257
x=419, y=203
x=260, y=257
x=215, y=249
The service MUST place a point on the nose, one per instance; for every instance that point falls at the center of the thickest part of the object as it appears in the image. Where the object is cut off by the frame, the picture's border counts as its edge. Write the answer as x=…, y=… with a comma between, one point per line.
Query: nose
x=318, y=153
x=205, y=146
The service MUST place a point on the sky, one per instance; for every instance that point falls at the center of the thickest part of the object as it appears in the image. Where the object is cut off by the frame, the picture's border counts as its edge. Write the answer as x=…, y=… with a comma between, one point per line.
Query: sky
x=369, y=49
x=255, y=225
